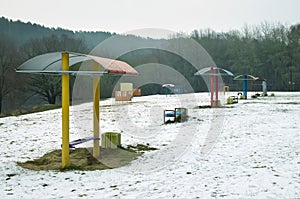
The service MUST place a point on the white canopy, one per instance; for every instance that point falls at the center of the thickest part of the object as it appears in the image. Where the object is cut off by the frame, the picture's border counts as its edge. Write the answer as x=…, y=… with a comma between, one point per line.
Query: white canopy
x=50, y=63
x=222, y=71
x=168, y=85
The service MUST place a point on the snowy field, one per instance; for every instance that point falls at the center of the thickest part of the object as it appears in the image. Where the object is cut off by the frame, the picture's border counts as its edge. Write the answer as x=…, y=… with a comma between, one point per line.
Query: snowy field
x=251, y=150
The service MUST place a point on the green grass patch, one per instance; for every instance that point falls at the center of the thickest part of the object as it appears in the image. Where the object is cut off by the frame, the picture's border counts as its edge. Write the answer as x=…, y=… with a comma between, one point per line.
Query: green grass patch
x=35, y=109
x=44, y=107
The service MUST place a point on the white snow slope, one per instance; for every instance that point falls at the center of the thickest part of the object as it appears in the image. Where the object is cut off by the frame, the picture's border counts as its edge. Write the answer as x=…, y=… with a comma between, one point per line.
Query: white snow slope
x=249, y=151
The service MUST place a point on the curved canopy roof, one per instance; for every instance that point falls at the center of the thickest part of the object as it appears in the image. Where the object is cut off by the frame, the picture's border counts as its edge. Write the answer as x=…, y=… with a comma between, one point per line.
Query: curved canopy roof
x=50, y=63
x=222, y=71
x=246, y=77
x=168, y=85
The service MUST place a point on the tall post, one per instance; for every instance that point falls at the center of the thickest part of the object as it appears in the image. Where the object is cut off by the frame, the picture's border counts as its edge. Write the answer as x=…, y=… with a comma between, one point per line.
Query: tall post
x=96, y=119
x=217, y=87
x=65, y=160
x=264, y=87
x=245, y=86
x=166, y=91
x=211, y=86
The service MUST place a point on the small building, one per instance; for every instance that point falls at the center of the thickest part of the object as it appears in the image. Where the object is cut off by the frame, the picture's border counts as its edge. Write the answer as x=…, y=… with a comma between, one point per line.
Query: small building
x=137, y=92
x=127, y=92
x=123, y=95
x=126, y=87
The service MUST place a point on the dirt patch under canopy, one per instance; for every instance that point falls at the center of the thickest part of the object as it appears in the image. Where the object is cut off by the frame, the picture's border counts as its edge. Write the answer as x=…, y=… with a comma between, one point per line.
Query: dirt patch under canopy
x=82, y=159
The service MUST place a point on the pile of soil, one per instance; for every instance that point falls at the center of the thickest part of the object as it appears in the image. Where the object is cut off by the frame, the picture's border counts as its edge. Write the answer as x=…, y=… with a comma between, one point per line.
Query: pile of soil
x=82, y=159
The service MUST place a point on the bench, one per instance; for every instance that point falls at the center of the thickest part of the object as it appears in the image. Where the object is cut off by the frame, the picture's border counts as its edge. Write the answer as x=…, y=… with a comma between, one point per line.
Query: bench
x=82, y=140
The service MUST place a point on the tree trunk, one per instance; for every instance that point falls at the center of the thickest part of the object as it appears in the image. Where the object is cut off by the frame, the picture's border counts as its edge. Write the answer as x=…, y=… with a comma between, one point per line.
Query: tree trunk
x=52, y=99
x=0, y=105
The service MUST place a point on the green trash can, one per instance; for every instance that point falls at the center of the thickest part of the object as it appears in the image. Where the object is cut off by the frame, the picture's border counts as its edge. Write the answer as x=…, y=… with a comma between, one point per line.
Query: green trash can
x=181, y=114
x=111, y=140
x=229, y=100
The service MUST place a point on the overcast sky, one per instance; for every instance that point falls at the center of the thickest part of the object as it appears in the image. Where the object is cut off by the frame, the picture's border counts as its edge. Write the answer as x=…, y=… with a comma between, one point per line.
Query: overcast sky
x=177, y=15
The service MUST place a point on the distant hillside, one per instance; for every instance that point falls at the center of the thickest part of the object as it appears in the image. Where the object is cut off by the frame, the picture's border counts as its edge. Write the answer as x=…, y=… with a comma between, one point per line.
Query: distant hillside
x=136, y=51
x=268, y=51
x=21, y=32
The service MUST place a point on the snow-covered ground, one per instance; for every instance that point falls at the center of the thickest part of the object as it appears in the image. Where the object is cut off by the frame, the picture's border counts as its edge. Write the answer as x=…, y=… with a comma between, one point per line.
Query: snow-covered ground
x=249, y=151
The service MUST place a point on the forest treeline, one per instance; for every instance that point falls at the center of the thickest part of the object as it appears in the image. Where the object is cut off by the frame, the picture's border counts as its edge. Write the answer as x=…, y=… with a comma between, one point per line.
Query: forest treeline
x=269, y=51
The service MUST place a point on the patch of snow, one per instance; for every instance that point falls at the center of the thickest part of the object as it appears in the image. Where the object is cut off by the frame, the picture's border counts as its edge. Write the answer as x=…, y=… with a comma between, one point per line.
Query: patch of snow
x=249, y=151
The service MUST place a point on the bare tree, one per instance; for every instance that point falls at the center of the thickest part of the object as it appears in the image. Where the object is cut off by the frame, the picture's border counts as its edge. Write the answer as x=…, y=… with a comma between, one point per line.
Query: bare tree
x=8, y=57
x=49, y=87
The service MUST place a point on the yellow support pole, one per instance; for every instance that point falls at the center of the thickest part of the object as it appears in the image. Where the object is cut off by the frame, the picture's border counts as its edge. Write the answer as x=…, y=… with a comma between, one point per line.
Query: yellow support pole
x=65, y=160
x=96, y=117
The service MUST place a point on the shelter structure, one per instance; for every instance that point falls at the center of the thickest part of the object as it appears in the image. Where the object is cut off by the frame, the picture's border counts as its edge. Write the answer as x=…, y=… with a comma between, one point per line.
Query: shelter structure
x=214, y=74
x=245, y=78
x=60, y=63
x=172, y=89
x=169, y=88
x=125, y=93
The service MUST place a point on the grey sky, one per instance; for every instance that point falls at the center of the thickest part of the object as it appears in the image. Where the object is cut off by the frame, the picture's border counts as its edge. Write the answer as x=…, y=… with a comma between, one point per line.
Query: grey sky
x=177, y=15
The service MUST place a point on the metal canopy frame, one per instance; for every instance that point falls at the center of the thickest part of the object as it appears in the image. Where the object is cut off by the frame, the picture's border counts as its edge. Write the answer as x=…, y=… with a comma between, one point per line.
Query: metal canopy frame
x=245, y=78
x=168, y=86
x=214, y=73
x=50, y=63
x=61, y=72
x=59, y=63
x=204, y=71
